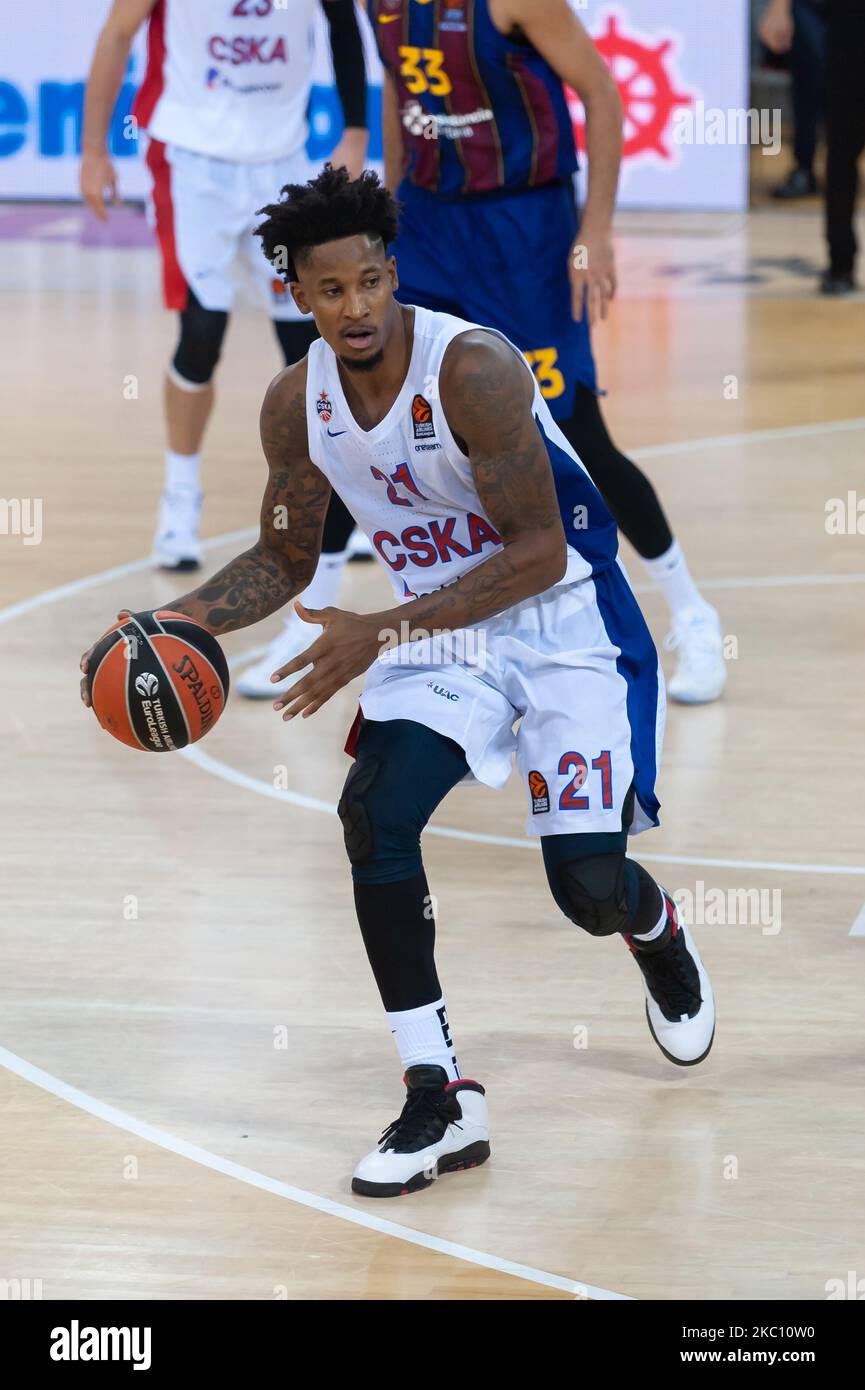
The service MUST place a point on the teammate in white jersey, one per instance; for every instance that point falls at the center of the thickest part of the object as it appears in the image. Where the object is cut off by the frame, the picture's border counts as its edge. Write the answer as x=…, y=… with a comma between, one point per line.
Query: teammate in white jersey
x=513, y=608
x=224, y=105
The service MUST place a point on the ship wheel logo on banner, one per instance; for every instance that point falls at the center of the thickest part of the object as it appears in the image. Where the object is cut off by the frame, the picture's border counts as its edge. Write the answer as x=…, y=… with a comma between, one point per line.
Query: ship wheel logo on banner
x=646, y=86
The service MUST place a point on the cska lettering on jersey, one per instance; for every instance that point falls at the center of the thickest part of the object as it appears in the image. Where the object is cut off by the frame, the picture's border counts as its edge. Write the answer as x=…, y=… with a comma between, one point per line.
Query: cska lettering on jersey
x=263, y=49
x=436, y=544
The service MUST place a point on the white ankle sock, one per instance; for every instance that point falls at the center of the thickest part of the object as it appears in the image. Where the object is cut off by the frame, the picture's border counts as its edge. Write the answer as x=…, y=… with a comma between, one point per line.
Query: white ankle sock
x=670, y=572
x=182, y=472
x=423, y=1037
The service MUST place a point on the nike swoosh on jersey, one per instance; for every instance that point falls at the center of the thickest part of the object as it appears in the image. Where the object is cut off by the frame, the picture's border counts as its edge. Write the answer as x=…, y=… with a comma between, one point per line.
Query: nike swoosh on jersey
x=388, y=18
x=335, y=433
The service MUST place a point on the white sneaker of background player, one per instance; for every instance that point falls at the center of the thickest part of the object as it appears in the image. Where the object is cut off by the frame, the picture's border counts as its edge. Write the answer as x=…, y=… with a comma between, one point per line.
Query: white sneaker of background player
x=255, y=682
x=359, y=546
x=443, y=1128
x=176, y=545
x=701, y=673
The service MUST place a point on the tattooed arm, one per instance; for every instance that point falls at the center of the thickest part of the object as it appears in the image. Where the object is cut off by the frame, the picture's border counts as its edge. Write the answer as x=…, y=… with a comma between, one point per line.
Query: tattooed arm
x=283, y=559
x=486, y=393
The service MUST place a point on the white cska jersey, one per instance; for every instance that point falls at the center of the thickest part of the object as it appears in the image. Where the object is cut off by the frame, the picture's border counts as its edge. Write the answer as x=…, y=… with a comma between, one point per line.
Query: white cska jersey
x=410, y=487
x=229, y=78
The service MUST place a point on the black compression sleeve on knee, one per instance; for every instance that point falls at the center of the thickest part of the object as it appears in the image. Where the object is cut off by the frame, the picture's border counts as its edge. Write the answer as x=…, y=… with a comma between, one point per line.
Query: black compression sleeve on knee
x=623, y=486
x=398, y=929
x=403, y=771
x=295, y=337
x=200, y=342
x=338, y=526
x=648, y=900
x=597, y=887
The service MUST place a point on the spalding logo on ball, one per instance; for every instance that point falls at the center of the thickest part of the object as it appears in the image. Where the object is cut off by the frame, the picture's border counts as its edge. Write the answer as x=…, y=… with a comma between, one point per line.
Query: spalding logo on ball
x=158, y=681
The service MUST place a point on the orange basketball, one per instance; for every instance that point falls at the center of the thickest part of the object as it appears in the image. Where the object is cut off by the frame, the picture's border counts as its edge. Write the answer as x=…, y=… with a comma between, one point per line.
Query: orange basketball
x=158, y=681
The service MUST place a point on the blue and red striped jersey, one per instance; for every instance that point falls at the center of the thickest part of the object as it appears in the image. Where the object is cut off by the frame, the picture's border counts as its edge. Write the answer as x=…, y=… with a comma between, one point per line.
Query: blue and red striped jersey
x=479, y=111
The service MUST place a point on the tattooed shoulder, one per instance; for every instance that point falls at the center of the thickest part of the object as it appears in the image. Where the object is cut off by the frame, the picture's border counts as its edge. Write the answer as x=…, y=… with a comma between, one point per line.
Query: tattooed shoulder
x=283, y=416
x=486, y=389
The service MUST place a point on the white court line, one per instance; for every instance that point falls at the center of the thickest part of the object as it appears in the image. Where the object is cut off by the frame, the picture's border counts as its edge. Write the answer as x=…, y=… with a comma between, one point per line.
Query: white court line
x=78, y=1098
x=717, y=441
x=92, y=581
x=726, y=441
x=173, y=1144
x=195, y=754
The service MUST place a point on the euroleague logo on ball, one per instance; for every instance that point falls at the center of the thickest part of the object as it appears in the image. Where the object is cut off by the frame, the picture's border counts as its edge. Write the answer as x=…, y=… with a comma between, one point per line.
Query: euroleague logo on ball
x=148, y=684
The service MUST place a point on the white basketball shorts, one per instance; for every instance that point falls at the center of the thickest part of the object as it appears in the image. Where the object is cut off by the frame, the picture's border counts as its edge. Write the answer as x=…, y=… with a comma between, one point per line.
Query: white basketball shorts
x=204, y=210
x=568, y=681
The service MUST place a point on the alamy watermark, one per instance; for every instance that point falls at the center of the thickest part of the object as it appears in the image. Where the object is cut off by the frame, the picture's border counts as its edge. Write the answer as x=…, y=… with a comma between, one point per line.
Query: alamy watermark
x=408, y=646
x=702, y=125
x=22, y=516
x=845, y=516
x=739, y=907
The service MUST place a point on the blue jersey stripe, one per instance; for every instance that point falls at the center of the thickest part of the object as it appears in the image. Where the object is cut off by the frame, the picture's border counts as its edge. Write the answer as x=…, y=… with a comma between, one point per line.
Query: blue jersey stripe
x=638, y=664
x=589, y=527
x=596, y=539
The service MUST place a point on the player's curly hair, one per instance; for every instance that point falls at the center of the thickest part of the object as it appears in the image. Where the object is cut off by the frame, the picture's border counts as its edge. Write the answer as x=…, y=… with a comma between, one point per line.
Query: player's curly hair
x=330, y=206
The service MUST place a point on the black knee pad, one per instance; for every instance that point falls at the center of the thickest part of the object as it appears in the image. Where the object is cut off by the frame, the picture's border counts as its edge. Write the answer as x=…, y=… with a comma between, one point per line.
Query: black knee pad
x=201, y=334
x=354, y=812
x=593, y=892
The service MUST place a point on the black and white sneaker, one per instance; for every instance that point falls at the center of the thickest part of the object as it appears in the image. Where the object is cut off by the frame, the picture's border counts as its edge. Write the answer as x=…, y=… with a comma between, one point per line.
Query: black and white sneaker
x=680, y=1005
x=443, y=1128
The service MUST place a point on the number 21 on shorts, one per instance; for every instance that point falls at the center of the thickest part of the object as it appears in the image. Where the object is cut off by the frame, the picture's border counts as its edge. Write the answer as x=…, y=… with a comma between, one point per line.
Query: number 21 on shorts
x=575, y=767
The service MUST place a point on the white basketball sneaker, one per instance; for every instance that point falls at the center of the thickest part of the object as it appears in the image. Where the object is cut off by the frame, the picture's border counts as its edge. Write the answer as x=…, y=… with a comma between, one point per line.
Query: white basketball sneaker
x=359, y=546
x=701, y=673
x=176, y=545
x=443, y=1128
x=295, y=637
x=680, y=1005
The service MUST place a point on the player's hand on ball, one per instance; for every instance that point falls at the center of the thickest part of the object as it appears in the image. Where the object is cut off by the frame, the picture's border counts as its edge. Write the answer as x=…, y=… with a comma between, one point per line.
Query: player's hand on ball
x=346, y=648
x=84, y=663
x=592, y=270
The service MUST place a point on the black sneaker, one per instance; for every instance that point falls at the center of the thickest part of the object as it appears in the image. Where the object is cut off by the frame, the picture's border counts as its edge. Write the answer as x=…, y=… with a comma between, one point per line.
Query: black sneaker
x=680, y=1005
x=443, y=1127
x=837, y=283
x=799, y=183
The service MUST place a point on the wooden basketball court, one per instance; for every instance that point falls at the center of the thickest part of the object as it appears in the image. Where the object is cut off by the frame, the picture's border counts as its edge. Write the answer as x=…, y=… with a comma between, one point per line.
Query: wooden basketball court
x=194, y=1048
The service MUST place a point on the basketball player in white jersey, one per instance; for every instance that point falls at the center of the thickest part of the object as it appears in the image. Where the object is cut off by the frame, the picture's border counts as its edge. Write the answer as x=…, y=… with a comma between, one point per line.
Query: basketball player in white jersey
x=479, y=150
x=223, y=102
x=502, y=554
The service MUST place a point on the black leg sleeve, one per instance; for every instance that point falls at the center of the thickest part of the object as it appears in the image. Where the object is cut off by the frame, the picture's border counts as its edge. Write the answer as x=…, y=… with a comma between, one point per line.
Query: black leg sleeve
x=623, y=486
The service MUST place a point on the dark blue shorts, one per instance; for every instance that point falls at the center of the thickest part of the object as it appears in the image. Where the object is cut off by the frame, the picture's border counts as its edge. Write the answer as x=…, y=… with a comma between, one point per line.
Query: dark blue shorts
x=501, y=261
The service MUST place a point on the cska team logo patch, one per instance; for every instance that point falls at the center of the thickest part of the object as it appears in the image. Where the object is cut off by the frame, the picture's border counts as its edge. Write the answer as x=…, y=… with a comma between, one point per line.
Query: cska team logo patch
x=540, y=793
x=421, y=418
x=324, y=407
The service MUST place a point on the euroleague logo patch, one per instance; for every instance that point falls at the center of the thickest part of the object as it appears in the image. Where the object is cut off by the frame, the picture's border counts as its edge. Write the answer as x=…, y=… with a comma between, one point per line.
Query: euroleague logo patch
x=540, y=793
x=421, y=418
x=324, y=407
